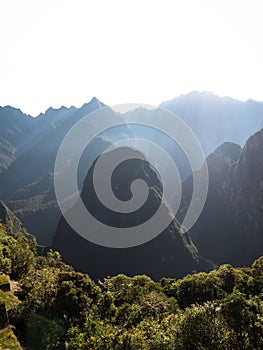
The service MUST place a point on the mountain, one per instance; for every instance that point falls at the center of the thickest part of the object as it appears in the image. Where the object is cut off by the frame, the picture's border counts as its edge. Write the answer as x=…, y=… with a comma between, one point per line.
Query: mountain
x=230, y=228
x=11, y=222
x=15, y=126
x=215, y=120
x=28, y=147
x=172, y=253
x=37, y=153
x=27, y=184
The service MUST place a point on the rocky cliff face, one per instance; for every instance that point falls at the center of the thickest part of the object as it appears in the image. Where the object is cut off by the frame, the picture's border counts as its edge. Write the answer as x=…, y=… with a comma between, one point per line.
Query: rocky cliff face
x=247, y=184
x=172, y=253
x=230, y=228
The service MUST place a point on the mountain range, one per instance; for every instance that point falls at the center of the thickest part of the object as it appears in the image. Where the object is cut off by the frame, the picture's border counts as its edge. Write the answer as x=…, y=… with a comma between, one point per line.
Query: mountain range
x=228, y=230
x=215, y=120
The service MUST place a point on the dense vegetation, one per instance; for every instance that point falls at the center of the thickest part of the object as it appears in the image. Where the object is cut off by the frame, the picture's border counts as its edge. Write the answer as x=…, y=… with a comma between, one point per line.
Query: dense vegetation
x=50, y=306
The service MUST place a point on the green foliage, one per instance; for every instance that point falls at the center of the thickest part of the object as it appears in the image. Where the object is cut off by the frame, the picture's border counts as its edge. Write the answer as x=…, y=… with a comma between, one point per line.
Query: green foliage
x=128, y=315
x=244, y=318
x=257, y=273
x=52, y=259
x=106, y=306
x=8, y=340
x=76, y=294
x=126, y=289
x=199, y=328
x=9, y=299
x=17, y=254
x=63, y=309
x=40, y=289
x=149, y=335
x=95, y=334
x=230, y=324
x=198, y=288
x=4, y=279
x=44, y=334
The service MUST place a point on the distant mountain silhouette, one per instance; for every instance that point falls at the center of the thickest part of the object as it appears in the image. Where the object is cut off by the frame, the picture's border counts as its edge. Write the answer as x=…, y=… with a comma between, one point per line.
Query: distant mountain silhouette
x=215, y=119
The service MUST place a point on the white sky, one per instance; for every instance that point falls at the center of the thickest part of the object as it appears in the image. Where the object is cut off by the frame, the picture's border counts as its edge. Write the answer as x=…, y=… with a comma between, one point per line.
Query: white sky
x=63, y=52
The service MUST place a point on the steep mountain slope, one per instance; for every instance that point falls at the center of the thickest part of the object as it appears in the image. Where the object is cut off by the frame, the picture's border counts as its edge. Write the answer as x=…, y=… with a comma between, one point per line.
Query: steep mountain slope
x=36, y=205
x=172, y=253
x=15, y=128
x=14, y=124
x=215, y=120
x=7, y=154
x=247, y=183
x=11, y=222
x=230, y=228
x=38, y=152
x=27, y=185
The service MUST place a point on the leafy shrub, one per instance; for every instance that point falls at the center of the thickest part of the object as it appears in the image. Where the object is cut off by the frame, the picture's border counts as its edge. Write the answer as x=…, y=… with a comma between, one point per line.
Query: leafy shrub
x=44, y=334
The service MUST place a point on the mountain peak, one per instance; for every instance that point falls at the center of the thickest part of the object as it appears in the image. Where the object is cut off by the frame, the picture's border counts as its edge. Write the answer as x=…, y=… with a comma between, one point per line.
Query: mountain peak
x=223, y=157
x=94, y=99
x=94, y=103
x=229, y=149
x=172, y=253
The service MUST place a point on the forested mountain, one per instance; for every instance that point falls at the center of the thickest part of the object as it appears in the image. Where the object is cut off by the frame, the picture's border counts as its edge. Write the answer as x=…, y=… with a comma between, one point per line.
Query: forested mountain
x=172, y=253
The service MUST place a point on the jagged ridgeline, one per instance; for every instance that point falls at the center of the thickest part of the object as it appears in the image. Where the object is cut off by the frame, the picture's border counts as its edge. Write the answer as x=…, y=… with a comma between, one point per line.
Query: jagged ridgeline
x=172, y=253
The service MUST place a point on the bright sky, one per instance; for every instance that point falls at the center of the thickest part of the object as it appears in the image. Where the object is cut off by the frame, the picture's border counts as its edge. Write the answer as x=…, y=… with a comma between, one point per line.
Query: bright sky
x=64, y=52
